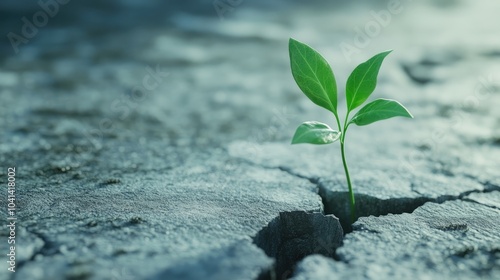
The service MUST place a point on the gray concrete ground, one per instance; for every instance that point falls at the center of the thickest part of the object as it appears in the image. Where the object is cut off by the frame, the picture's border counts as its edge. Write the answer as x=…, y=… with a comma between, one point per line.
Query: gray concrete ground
x=151, y=141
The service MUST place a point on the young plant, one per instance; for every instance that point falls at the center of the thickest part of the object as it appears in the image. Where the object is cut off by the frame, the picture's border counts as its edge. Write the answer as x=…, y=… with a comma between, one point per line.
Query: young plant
x=315, y=78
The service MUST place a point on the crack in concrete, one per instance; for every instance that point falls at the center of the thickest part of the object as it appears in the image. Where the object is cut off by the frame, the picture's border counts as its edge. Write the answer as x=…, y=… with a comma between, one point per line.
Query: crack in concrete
x=335, y=203
x=313, y=180
x=490, y=186
x=292, y=236
x=413, y=189
x=477, y=202
x=266, y=239
x=400, y=205
x=392, y=205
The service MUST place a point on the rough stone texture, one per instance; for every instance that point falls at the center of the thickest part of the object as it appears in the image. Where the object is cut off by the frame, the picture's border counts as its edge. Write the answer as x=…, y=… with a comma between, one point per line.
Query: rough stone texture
x=453, y=240
x=294, y=235
x=155, y=222
x=113, y=177
x=240, y=260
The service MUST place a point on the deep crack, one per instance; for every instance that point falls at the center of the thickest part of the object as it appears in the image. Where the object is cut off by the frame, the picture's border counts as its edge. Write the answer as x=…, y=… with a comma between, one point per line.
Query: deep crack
x=336, y=203
x=292, y=236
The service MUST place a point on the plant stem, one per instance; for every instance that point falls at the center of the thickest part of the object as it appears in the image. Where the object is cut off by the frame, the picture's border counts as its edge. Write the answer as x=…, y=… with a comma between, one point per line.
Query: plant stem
x=338, y=121
x=346, y=169
x=351, y=193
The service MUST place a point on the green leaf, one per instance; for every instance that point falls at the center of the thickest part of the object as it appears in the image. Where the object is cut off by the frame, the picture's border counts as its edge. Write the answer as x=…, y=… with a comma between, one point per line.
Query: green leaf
x=378, y=110
x=313, y=75
x=363, y=80
x=315, y=133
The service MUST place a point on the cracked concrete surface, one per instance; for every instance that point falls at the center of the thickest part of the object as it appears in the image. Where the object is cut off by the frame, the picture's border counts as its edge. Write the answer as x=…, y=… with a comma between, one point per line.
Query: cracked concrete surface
x=453, y=240
x=190, y=179
x=156, y=222
x=293, y=235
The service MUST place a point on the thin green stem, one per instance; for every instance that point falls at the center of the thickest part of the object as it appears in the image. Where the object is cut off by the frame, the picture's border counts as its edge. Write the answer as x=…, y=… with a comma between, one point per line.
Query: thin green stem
x=338, y=122
x=351, y=193
x=346, y=169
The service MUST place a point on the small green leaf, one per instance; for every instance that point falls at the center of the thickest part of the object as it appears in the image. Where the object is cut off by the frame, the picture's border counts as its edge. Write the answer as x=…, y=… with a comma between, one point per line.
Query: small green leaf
x=315, y=133
x=378, y=110
x=363, y=80
x=313, y=75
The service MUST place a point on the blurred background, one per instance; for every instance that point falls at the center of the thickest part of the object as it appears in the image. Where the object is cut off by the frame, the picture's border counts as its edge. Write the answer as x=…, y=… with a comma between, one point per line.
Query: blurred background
x=74, y=68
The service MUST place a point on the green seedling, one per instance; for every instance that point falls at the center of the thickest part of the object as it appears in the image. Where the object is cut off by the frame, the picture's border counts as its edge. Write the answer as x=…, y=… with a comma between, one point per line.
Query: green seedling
x=315, y=78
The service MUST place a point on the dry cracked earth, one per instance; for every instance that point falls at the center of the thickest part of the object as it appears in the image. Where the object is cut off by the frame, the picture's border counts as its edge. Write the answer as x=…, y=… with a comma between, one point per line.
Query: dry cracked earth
x=151, y=141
